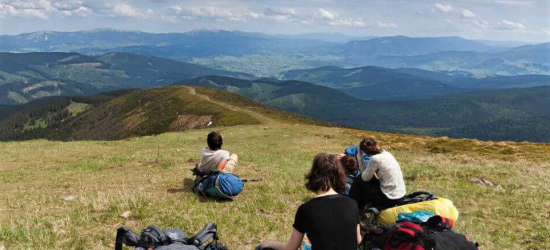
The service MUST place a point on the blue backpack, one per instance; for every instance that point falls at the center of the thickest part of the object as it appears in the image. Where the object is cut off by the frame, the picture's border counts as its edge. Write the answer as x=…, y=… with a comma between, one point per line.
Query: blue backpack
x=217, y=185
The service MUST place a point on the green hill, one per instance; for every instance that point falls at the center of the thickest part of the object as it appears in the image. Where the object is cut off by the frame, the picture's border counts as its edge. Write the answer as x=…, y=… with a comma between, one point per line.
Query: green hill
x=129, y=113
x=381, y=83
x=29, y=76
x=408, y=83
x=449, y=116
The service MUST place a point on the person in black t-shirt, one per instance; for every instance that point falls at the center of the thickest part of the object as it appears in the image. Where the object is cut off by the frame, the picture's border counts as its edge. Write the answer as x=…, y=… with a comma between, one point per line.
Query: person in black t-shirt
x=330, y=220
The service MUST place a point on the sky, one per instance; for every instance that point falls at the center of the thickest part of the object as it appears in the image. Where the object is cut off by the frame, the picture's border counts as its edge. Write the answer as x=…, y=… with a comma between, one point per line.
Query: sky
x=518, y=20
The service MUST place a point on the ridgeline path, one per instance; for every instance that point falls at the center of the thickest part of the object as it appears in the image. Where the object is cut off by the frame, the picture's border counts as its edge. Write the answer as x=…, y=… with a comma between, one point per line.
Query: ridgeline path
x=261, y=118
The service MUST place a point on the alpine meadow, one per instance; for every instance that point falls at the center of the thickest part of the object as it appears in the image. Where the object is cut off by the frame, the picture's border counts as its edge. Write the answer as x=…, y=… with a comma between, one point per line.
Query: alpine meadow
x=274, y=125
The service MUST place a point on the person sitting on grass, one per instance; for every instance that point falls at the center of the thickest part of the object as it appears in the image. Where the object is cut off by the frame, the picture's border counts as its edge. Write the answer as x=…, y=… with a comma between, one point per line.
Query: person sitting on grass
x=352, y=172
x=330, y=220
x=381, y=184
x=358, y=152
x=214, y=158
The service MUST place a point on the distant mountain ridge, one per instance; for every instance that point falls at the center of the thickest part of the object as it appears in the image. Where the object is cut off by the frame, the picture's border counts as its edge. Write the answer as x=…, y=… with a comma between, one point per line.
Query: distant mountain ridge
x=28, y=76
x=407, y=46
x=270, y=55
x=380, y=83
x=407, y=83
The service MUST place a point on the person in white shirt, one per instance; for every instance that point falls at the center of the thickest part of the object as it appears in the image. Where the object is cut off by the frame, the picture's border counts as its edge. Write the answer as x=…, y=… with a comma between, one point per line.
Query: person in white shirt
x=214, y=158
x=381, y=184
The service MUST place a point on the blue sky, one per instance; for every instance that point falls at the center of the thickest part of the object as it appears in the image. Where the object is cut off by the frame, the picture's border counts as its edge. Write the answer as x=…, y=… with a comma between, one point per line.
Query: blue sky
x=522, y=20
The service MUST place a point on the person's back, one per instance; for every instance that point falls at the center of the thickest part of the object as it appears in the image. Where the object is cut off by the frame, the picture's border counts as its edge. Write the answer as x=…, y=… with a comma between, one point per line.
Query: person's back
x=211, y=158
x=214, y=158
x=381, y=184
x=389, y=173
x=329, y=221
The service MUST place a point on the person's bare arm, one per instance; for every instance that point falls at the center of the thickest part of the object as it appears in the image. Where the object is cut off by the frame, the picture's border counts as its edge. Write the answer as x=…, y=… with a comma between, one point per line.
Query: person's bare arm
x=370, y=171
x=221, y=165
x=359, y=238
x=293, y=243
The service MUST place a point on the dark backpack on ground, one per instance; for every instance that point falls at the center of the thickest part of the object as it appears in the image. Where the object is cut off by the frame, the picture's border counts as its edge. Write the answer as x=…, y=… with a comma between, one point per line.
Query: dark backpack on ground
x=216, y=184
x=169, y=239
x=435, y=234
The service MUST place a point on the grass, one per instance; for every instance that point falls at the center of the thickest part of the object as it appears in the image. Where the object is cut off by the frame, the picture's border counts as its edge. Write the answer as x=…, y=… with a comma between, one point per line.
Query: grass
x=76, y=108
x=108, y=178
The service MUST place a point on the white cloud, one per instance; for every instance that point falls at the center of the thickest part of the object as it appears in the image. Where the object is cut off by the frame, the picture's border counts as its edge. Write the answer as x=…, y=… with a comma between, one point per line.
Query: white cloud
x=178, y=9
x=444, y=7
x=510, y=25
x=466, y=13
x=546, y=32
x=385, y=25
x=280, y=14
x=515, y=3
x=348, y=23
x=481, y=24
x=210, y=13
x=43, y=9
x=325, y=14
x=254, y=15
x=26, y=11
x=126, y=10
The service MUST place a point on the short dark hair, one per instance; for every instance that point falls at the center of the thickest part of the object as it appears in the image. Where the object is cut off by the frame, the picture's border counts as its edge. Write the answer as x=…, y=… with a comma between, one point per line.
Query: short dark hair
x=349, y=163
x=214, y=140
x=326, y=172
x=369, y=146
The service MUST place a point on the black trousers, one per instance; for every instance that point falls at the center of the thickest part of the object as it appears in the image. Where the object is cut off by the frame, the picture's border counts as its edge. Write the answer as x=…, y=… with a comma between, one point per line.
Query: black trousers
x=369, y=193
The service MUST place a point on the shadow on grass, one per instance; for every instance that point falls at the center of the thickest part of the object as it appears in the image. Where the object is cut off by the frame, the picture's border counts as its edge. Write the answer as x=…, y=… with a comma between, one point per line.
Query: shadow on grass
x=205, y=199
x=188, y=184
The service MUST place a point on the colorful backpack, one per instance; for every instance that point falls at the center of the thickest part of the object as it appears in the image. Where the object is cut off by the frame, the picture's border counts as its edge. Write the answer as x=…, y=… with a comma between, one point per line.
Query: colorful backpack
x=435, y=234
x=217, y=185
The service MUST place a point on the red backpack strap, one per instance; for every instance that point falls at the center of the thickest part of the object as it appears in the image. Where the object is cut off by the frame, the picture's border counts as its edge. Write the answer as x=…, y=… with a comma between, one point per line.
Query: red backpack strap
x=409, y=228
x=440, y=222
x=406, y=236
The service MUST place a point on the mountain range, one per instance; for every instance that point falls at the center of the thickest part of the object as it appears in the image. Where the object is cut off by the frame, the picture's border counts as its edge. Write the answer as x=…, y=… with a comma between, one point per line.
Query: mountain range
x=26, y=77
x=29, y=76
x=490, y=114
x=271, y=55
x=376, y=83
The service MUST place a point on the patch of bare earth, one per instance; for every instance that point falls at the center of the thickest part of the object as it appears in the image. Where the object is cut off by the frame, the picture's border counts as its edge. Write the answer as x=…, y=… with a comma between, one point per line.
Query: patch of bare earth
x=185, y=122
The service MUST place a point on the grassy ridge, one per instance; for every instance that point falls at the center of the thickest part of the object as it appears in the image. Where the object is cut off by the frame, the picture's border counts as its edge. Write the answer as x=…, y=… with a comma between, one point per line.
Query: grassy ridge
x=108, y=178
x=150, y=112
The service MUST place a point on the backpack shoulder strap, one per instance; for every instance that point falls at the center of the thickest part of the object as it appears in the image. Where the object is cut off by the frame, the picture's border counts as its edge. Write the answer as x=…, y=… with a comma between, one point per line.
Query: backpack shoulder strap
x=440, y=223
x=209, y=231
x=120, y=237
x=125, y=236
x=153, y=235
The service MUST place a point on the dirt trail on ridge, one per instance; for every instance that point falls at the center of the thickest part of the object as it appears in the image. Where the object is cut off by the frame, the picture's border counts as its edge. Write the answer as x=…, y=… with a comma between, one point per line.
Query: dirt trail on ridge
x=261, y=118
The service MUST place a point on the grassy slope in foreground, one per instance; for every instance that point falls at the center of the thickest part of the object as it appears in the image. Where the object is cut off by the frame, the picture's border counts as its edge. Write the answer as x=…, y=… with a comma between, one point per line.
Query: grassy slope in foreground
x=108, y=178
